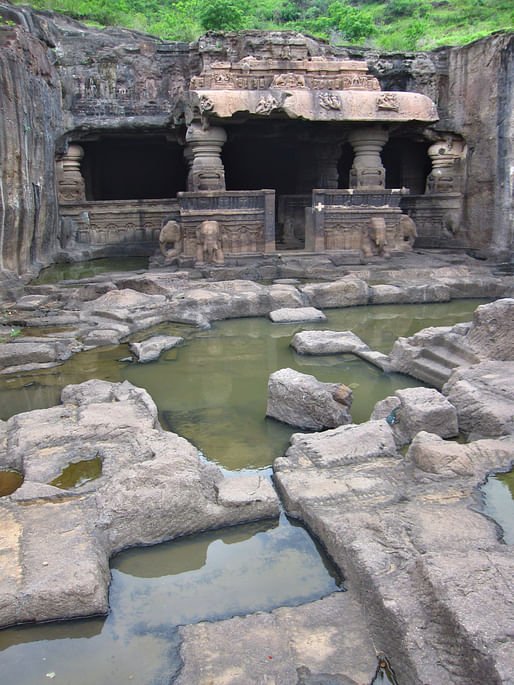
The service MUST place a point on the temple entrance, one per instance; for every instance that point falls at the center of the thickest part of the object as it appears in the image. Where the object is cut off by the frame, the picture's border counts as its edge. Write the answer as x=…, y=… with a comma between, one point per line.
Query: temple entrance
x=289, y=157
x=133, y=168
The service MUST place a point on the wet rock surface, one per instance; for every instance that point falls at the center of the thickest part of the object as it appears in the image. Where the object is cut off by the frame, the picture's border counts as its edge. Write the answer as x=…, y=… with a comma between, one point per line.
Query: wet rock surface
x=149, y=350
x=154, y=486
x=326, y=639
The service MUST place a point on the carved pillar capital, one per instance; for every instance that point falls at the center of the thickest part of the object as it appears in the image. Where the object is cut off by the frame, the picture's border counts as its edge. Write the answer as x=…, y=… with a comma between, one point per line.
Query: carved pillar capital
x=367, y=170
x=203, y=150
x=70, y=184
x=445, y=175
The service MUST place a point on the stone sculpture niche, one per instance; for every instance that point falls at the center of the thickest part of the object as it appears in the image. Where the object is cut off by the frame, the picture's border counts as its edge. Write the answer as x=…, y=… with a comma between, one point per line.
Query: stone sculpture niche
x=171, y=234
x=208, y=243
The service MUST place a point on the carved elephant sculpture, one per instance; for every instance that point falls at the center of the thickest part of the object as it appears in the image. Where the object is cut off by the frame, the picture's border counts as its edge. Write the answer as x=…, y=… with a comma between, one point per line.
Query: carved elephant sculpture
x=208, y=243
x=171, y=234
x=374, y=239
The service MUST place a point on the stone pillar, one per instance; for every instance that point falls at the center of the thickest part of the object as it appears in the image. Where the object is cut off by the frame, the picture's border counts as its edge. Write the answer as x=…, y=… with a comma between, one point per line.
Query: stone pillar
x=445, y=174
x=327, y=155
x=188, y=156
x=70, y=184
x=204, y=146
x=367, y=170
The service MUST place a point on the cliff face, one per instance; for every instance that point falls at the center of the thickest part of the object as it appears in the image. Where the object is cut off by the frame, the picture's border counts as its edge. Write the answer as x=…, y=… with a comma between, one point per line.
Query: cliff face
x=57, y=77
x=481, y=108
x=30, y=103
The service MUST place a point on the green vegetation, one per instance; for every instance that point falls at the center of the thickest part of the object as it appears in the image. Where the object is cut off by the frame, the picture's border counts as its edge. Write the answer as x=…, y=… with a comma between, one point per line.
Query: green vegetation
x=387, y=24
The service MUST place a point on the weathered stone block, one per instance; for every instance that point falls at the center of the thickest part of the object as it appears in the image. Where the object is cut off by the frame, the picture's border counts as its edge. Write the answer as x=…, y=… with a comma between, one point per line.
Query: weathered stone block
x=301, y=400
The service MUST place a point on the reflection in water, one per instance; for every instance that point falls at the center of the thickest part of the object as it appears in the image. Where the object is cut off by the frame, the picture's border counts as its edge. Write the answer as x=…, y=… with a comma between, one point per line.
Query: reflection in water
x=498, y=493
x=94, y=267
x=210, y=576
x=78, y=473
x=10, y=481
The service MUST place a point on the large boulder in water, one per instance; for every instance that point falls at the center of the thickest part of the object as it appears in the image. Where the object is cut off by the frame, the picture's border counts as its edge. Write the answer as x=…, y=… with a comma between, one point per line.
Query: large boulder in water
x=301, y=400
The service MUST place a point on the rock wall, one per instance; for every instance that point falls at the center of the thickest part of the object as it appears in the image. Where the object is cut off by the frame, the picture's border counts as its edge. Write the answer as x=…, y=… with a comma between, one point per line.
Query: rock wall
x=32, y=118
x=59, y=77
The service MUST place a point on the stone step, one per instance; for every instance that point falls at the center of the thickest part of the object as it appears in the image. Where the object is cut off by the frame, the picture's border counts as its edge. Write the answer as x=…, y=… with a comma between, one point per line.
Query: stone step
x=430, y=371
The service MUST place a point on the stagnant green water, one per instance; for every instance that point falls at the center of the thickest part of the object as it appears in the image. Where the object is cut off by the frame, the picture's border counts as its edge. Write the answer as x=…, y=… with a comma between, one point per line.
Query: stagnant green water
x=212, y=390
x=94, y=267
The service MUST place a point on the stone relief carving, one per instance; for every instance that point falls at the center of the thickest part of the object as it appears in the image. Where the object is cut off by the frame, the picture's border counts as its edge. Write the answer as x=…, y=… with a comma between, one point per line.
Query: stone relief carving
x=267, y=104
x=171, y=234
x=388, y=102
x=329, y=101
x=205, y=104
x=208, y=243
x=288, y=80
x=315, y=73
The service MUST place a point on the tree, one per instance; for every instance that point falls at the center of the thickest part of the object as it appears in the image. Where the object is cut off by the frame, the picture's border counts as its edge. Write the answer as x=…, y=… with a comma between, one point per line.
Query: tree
x=220, y=15
x=354, y=24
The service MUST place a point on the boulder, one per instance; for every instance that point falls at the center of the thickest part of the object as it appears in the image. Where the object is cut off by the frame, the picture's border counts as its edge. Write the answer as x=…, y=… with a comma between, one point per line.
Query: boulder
x=327, y=342
x=301, y=400
x=339, y=446
x=344, y=292
x=414, y=409
x=483, y=395
x=492, y=331
x=150, y=349
x=287, y=315
x=432, y=454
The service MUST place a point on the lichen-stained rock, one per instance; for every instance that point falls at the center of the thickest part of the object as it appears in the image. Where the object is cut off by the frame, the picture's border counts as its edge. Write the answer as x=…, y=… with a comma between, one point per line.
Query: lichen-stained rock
x=153, y=486
x=414, y=409
x=301, y=400
x=150, y=349
x=345, y=292
x=483, y=395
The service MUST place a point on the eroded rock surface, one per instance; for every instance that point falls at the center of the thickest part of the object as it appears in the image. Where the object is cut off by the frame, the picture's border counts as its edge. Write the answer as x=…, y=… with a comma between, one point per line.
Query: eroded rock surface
x=483, y=395
x=150, y=349
x=153, y=486
x=432, y=574
x=414, y=409
x=301, y=400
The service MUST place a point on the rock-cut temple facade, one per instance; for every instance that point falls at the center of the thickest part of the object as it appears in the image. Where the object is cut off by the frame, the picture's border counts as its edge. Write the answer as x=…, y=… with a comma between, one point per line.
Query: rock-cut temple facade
x=242, y=146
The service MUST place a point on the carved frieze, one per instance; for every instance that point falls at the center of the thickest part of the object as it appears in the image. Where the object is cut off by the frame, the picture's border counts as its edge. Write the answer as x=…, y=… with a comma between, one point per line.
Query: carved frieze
x=313, y=74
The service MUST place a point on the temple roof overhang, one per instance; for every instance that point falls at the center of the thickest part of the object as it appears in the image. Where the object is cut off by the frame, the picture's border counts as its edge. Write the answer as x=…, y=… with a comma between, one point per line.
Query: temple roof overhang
x=333, y=105
x=314, y=89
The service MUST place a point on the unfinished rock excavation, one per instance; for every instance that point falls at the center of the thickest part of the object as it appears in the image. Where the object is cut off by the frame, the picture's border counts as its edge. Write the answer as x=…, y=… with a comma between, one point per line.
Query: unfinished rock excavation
x=264, y=175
